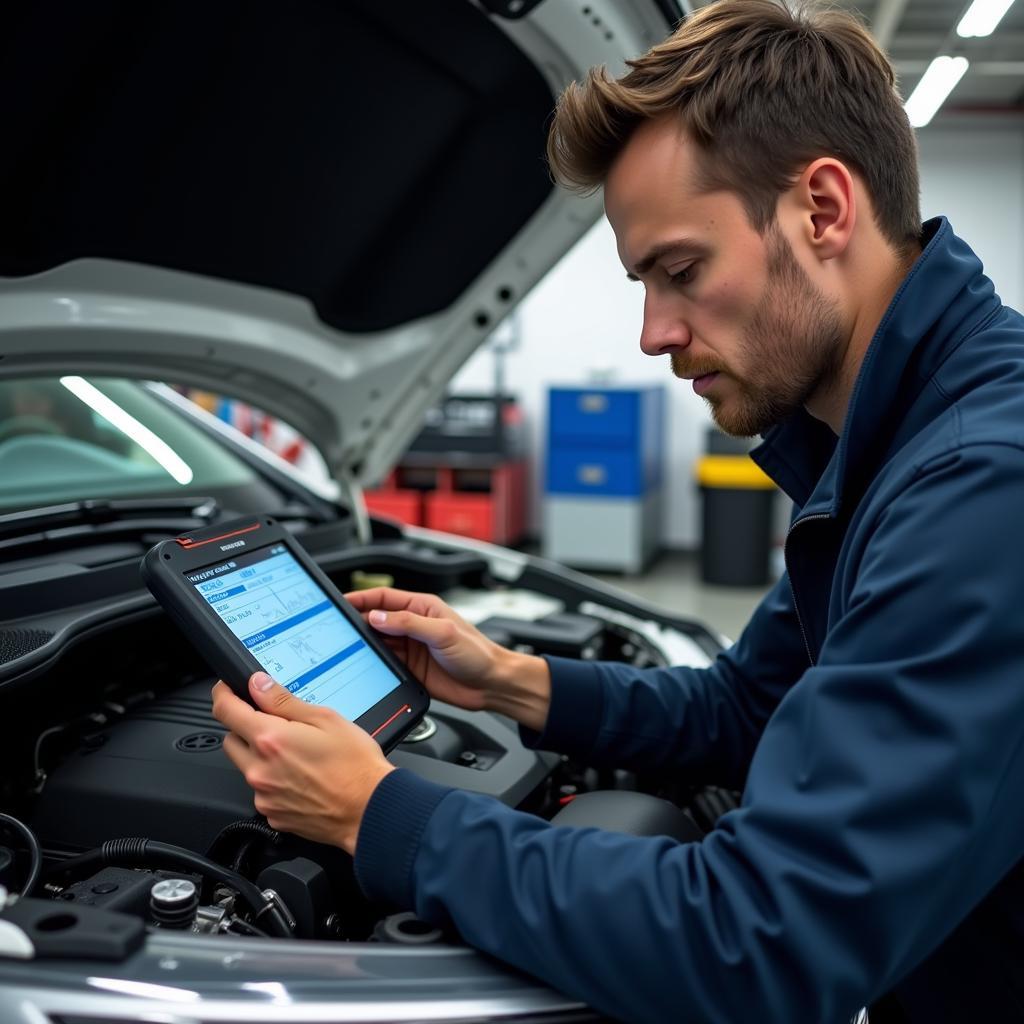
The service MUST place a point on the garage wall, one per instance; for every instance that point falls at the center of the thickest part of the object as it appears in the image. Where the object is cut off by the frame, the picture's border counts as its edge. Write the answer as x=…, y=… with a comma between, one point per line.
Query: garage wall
x=582, y=322
x=974, y=174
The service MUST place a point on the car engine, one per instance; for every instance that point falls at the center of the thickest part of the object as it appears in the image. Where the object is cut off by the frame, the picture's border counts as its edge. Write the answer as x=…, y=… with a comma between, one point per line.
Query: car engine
x=114, y=770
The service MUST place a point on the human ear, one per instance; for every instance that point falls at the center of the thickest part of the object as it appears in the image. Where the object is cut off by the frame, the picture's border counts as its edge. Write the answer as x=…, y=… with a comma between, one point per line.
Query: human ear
x=826, y=205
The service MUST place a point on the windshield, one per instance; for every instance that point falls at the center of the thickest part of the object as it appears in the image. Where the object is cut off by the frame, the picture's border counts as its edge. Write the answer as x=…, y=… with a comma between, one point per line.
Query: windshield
x=71, y=438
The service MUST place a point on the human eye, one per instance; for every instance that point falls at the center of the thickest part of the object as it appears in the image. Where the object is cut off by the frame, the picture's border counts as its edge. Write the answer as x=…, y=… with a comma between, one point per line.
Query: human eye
x=684, y=275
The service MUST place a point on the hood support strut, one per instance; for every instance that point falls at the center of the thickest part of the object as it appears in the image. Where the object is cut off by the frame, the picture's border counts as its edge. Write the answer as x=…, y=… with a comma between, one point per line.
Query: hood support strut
x=352, y=492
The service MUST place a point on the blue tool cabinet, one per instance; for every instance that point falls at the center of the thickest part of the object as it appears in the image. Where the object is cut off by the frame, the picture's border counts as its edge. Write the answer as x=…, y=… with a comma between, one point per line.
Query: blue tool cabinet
x=603, y=483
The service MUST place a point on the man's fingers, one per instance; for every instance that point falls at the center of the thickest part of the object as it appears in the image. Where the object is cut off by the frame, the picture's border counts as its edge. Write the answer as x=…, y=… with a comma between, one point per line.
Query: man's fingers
x=435, y=633
x=239, y=752
x=378, y=597
x=387, y=598
x=229, y=709
x=274, y=699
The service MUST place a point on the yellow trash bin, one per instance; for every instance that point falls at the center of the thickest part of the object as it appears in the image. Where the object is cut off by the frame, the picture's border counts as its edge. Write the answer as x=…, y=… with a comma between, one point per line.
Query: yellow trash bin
x=736, y=517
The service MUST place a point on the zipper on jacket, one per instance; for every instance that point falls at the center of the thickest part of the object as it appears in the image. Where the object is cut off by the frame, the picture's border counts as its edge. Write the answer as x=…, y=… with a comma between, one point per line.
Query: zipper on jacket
x=792, y=589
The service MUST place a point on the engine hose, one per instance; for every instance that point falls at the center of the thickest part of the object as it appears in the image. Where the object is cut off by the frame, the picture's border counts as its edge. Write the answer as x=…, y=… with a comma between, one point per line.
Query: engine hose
x=148, y=852
x=241, y=853
x=34, y=851
x=250, y=827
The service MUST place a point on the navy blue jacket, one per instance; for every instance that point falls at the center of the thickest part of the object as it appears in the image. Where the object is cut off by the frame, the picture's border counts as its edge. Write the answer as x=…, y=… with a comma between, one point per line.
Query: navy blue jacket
x=872, y=712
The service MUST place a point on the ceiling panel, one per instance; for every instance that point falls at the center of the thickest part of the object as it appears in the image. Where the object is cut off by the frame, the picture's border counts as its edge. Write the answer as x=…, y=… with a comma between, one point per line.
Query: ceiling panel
x=916, y=31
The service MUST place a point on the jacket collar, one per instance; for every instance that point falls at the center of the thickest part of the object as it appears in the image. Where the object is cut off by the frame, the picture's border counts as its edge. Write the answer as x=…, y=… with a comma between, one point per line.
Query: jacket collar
x=943, y=296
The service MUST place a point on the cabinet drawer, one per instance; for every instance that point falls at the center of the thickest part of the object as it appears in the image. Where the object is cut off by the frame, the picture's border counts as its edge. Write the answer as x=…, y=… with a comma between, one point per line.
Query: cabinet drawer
x=595, y=416
x=469, y=515
x=405, y=506
x=590, y=471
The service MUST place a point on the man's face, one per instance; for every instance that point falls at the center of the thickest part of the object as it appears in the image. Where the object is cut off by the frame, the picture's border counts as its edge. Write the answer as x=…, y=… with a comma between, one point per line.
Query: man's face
x=734, y=310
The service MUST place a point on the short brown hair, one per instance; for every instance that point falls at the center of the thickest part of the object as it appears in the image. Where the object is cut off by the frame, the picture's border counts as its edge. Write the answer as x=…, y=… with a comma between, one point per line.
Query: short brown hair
x=764, y=91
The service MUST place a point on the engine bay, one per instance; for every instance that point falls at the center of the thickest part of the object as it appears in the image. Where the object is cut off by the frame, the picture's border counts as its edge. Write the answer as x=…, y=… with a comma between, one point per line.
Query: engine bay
x=114, y=767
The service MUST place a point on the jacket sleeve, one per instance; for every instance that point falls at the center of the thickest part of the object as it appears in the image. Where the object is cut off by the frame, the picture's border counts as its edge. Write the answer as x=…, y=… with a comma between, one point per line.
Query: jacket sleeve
x=704, y=721
x=882, y=805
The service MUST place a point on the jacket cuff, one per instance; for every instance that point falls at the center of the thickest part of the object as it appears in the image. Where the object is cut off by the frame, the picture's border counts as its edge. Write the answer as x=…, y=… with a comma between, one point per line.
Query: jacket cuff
x=577, y=708
x=389, y=836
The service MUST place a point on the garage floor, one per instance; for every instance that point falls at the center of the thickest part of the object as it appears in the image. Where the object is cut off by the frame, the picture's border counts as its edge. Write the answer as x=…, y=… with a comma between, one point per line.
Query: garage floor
x=673, y=581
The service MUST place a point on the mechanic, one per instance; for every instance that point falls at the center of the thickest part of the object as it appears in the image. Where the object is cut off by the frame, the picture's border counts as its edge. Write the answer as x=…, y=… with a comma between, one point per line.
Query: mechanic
x=760, y=176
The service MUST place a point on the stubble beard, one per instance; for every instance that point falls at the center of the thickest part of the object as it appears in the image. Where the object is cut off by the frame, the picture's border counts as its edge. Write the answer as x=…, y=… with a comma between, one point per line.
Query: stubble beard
x=791, y=350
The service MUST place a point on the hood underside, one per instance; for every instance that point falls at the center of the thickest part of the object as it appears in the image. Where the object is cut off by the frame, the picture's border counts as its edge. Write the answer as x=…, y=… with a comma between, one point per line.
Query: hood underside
x=321, y=208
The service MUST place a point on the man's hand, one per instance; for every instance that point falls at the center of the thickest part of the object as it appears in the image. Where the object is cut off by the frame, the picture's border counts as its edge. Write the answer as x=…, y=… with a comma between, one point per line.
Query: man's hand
x=453, y=659
x=313, y=772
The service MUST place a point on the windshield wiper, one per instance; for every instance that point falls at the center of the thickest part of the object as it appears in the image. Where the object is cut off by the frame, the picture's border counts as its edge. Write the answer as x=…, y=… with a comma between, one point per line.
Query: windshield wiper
x=86, y=515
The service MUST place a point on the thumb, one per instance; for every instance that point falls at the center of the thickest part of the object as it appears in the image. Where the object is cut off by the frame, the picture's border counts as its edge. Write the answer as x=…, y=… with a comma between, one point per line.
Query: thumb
x=274, y=699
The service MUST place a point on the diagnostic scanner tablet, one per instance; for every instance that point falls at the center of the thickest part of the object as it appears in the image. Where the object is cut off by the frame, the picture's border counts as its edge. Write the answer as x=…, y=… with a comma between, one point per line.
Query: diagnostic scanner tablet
x=249, y=597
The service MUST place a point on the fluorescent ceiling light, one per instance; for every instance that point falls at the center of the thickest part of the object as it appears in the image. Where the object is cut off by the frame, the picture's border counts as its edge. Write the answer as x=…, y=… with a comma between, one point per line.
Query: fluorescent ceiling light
x=982, y=17
x=128, y=424
x=936, y=84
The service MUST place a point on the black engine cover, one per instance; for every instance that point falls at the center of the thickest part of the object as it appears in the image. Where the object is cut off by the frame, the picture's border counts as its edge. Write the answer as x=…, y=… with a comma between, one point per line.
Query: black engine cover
x=159, y=773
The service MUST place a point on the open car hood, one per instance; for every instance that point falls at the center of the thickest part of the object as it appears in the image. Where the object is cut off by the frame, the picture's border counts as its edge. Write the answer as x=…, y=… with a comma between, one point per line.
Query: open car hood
x=319, y=208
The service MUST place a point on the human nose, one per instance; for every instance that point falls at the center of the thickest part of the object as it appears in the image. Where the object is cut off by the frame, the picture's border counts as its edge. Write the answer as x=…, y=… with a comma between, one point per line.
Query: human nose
x=664, y=331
